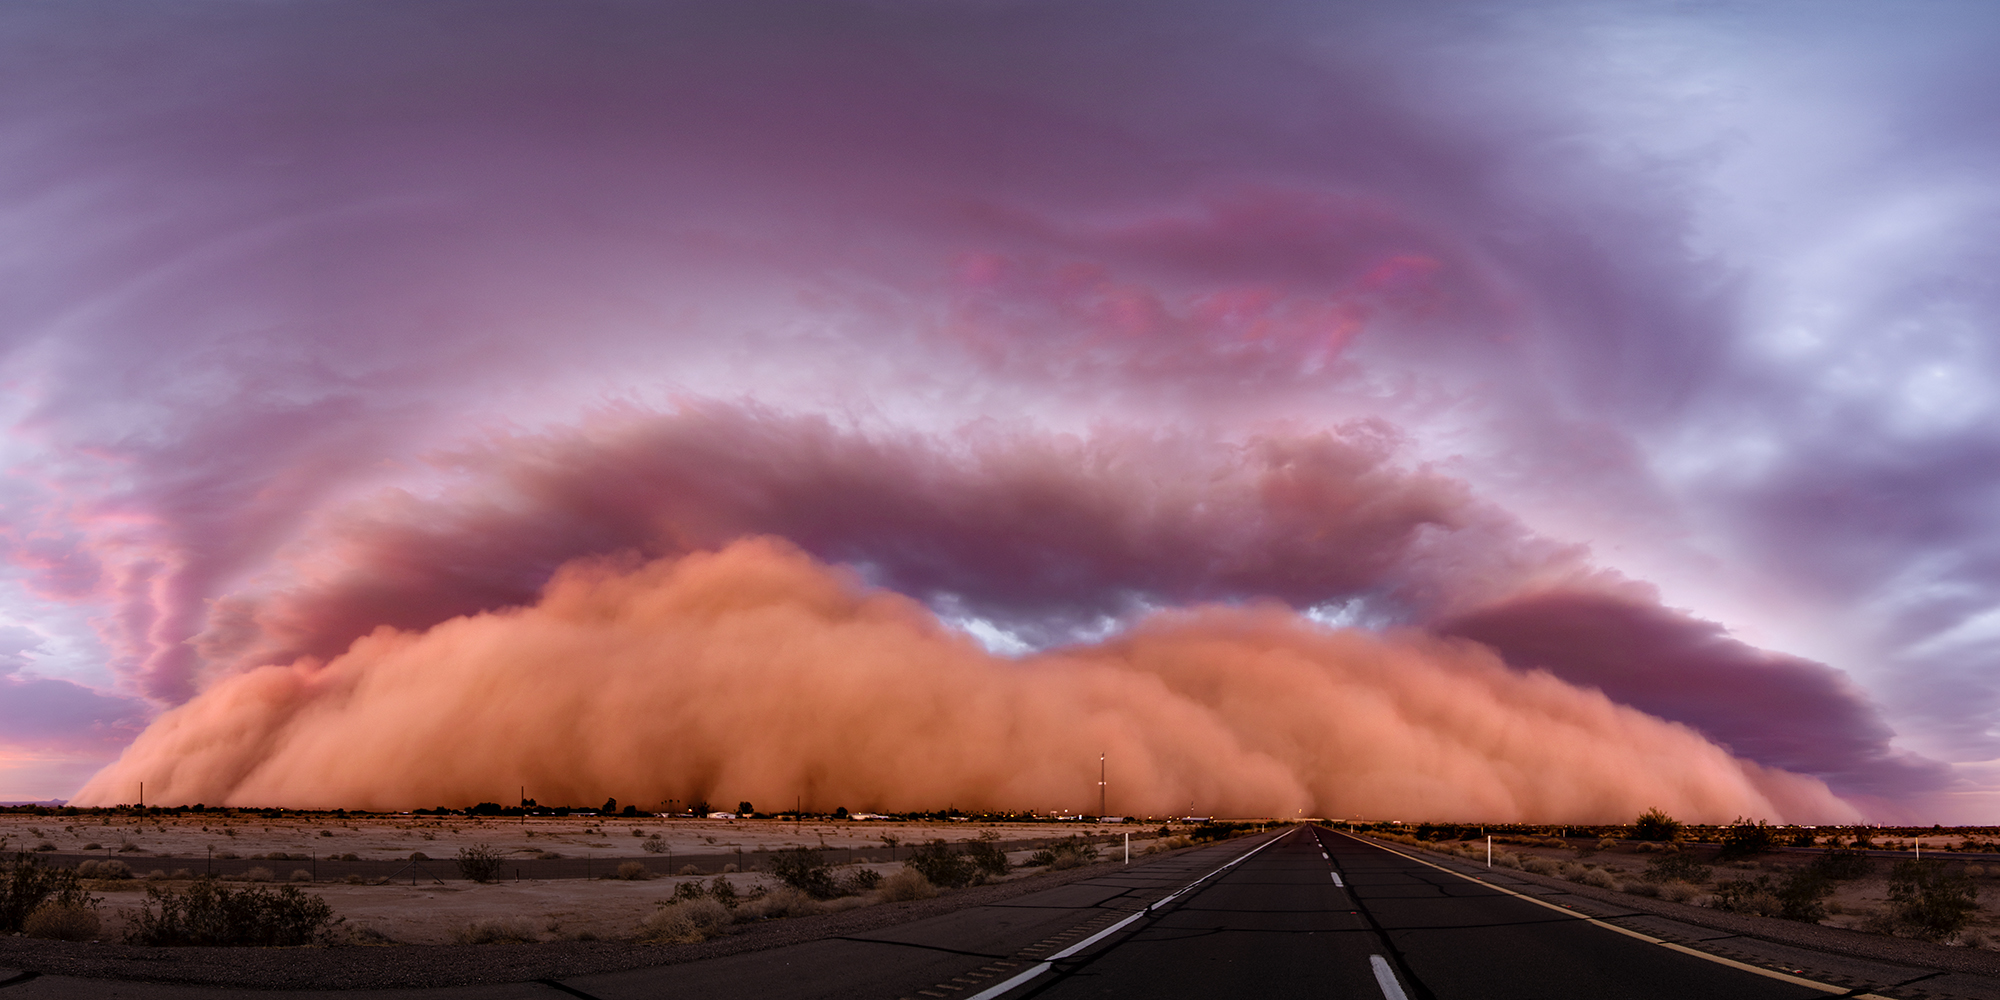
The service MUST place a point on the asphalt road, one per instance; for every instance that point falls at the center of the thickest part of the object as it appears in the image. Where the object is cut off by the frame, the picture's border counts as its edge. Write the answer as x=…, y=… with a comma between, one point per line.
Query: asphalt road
x=1305, y=912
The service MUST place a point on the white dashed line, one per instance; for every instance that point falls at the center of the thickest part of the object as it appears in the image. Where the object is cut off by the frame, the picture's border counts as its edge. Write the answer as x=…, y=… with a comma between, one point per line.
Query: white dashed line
x=1337, y=881
x=1001, y=989
x=1385, y=977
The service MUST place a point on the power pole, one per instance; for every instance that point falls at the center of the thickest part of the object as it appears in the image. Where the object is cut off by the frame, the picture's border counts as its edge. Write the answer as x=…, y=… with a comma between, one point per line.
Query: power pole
x=1100, y=788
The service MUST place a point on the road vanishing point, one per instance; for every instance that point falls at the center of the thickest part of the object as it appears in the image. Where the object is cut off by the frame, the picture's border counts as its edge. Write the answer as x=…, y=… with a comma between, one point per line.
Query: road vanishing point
x=1301, y=912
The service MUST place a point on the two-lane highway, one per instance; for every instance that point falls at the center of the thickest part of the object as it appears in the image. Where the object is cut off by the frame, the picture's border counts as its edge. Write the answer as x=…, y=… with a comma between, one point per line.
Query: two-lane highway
x=1319, y=913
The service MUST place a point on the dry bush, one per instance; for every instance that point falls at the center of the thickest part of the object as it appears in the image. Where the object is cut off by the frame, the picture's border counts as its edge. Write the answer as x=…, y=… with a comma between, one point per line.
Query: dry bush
x=685, y=922
x=210, y=914
x=784, y=901
x=226, y=855
x=730, y=868
x=1600, y=878
x=500, y=930
x=1168, y=844
x=156, y=875
x=260, y=874
x=653, y=845
x=1678, y=892
x=1641, y=887
x=1607, y=843
x=1540, y=866
x=356, y=880
x=62, y=922
x=690, y=870
x=181, y=873
x=906, y=885
x=480, y=862
x=634, y=871
x=301, y=875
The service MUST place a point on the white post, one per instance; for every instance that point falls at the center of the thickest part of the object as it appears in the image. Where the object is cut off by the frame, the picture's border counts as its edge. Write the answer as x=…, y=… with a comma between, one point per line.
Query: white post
x=1128, y=847
x=1489, y=851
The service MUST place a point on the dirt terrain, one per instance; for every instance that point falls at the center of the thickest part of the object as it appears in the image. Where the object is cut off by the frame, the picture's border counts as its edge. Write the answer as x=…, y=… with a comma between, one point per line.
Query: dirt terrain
x=166, y=851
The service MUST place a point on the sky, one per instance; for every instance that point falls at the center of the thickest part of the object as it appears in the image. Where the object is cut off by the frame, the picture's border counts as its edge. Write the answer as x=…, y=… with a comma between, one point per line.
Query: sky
x=1356, y=390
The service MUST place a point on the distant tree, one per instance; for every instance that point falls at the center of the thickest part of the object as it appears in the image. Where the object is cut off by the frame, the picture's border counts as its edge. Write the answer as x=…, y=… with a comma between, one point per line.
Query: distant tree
x=840, y=812
x=744, y=809
x=1655, y=825
x=610, y=806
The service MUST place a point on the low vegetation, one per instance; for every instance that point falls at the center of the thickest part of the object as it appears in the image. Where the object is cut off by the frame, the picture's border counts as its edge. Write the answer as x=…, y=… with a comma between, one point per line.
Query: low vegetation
x=27, y=886
x=208, y=913
x=479, y=862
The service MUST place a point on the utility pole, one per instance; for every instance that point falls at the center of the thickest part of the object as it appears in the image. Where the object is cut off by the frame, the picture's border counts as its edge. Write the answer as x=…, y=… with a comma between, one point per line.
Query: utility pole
x=1100, y=788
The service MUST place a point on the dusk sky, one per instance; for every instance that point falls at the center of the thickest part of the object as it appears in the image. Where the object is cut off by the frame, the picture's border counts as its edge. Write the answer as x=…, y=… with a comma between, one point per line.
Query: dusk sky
x=1619, y=374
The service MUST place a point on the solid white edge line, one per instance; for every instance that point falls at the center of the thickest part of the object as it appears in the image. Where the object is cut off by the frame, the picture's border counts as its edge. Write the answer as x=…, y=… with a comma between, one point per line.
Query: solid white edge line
x=1385, y=978
x=1628, y=932
x=1001, y=988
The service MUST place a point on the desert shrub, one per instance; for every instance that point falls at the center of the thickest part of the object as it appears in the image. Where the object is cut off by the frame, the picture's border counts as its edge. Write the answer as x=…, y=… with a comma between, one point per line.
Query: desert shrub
x=1840, y=864
x=45, y=846
x=728, y=868
x=1654, y=825
x=689, y=890
x=157, y=874
x=1069, y=852
x=861, y=880
x=1607, y=843
x=419, y=856
x=1166, y=844
x=27, y=884
x=634, y=871
x=1928, y=902
x=1756, y=896
x=1675, y=866
x=1678, y=892
x=479, y=862
x=1641, y=887
x=986, y=855
x=636, y=832
x=722, y=891
x=62, y=922
x=784, y=901
x=1744, y=839
x=653, y=845
x=1600, y=878
x=803, y=868
x=260, y=874
x=1540, y=866
x=347, y=857
x=685, y=922
x=906, y=885
x=211, y=914
x=301, y=875
x=689, y=870
x=1802, y=837
x=181, y=873
x=500, y=930
x=940, y=865
x=1803, y=895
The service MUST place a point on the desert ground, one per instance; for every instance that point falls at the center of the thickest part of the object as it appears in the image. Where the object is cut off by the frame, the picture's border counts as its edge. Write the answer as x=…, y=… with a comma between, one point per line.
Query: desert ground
x=157, y=849
x=1857, y=904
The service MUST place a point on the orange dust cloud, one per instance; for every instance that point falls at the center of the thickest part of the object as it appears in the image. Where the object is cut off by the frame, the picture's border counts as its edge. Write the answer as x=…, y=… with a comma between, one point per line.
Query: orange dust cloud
x=756, y=673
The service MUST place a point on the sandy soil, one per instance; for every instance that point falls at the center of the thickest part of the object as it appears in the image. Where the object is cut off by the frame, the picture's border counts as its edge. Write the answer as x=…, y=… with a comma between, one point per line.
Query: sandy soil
x=431, y=913
x=1856, y=904
x=387, y=837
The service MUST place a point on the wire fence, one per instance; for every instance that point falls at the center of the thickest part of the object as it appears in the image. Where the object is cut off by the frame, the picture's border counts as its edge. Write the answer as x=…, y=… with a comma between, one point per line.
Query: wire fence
x=520, y=865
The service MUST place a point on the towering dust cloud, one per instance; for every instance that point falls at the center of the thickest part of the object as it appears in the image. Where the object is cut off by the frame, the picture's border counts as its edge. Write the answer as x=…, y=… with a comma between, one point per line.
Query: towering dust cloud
x=756, y=673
